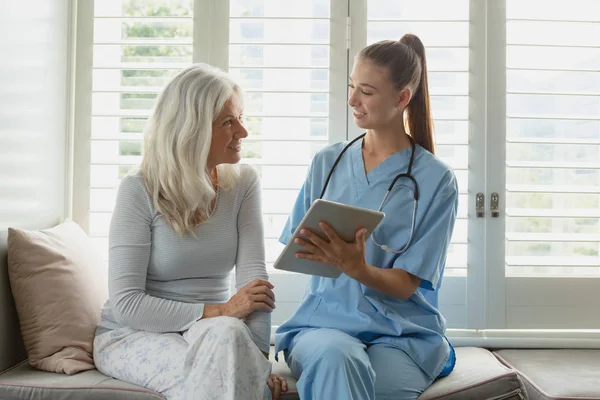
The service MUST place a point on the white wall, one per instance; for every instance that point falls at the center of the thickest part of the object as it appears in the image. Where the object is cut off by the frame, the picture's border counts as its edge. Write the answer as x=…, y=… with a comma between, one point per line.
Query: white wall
x=34, y=45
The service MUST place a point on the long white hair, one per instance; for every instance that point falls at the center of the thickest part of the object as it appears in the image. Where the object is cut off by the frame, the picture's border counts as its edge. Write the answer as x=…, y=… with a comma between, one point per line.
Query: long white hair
x=177, y=140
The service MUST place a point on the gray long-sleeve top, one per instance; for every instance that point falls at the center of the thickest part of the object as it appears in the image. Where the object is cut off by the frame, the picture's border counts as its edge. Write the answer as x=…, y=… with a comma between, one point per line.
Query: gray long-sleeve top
x=159, y=281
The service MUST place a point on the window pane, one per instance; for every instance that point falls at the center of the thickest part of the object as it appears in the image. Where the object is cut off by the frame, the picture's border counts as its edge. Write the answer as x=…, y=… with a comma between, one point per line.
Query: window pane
x=553, y=139
x=407, y=10
x=142, y=30
x=552, y=33
x=144, y=8
x=575, y=82
x=274, y=56
x=283, y=64
x=446, y=34
x=443, y=26
x=574, y=10
x=279, y=31
x=279, y=9
x=138, y=46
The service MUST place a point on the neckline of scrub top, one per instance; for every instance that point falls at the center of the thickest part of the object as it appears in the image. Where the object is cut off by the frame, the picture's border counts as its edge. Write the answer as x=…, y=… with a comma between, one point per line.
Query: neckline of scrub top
x=399, y=159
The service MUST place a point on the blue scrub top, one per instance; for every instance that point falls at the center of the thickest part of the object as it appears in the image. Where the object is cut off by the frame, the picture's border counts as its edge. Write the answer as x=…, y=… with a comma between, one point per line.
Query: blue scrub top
x=414, y=325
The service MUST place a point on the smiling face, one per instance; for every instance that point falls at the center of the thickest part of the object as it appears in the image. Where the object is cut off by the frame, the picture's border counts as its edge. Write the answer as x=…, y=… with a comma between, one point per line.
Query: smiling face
x=227, y=133
x=376, y=103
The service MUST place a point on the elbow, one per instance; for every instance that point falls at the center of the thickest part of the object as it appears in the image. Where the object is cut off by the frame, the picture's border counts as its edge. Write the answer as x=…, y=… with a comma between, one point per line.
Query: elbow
x=123, y=307
x=407, y=293
x=408, y=287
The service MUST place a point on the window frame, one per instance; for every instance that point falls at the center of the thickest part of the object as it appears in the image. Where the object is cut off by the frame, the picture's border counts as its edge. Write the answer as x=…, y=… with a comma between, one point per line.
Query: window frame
x=486, y=305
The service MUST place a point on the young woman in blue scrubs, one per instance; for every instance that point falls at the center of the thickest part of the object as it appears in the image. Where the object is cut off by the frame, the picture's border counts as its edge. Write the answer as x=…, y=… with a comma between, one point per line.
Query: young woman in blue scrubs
x=376, y=332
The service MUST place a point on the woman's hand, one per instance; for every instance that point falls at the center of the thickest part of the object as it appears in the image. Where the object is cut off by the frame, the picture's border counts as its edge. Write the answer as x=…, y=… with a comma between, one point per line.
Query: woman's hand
x=347, y=257
x=277, y=385
x=255, y=296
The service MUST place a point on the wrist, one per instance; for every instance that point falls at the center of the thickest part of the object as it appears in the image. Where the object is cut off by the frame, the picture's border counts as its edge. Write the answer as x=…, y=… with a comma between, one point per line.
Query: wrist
x=213, y=311
x=361, y=271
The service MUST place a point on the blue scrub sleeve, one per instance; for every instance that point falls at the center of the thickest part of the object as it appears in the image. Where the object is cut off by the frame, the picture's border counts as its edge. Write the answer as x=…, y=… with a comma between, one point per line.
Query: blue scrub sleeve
x=426, y=256
x=301, y=206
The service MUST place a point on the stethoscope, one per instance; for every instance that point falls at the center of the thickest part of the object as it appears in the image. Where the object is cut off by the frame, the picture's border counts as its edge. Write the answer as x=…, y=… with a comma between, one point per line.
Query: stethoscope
x=407, y=174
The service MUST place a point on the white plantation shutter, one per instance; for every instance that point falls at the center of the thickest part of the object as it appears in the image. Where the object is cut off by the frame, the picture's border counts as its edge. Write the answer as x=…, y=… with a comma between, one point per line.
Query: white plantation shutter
x=282, y=55
x=443, y=26
x=279, y=52
x=137, y=46
x=552, y=162
x=553, y=139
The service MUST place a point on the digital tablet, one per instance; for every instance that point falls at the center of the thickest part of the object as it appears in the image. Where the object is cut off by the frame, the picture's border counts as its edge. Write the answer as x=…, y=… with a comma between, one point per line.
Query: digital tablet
x=343, y=218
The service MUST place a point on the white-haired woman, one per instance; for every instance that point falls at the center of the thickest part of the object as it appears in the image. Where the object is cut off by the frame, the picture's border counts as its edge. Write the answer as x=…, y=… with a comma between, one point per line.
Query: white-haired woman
x=180, y=225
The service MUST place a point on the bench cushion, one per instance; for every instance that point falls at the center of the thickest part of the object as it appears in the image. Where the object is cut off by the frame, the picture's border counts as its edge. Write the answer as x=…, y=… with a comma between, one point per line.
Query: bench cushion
x=565, y=374
x=25, y=382
x=477, y=375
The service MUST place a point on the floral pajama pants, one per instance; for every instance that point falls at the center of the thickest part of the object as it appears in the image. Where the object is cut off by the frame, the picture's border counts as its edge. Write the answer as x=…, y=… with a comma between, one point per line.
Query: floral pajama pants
x=215, y=359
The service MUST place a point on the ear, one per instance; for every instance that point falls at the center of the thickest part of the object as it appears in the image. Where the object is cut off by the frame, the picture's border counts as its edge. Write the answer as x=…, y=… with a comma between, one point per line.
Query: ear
x=404, y=97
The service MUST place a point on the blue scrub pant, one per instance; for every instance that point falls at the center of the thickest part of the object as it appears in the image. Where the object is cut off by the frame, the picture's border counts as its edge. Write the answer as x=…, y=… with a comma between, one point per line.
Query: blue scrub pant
x=331, y=364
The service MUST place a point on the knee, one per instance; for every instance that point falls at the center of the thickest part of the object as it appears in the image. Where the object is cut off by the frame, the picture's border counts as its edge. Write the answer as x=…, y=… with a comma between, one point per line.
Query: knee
x=229, y=327
x=331, y=354
x=336, y=354
x=219, y=329
x=229, y=324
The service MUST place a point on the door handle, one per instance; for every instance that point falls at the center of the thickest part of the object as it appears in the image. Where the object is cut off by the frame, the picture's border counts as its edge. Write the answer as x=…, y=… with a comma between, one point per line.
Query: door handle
x=480, y=205
x=495, y=205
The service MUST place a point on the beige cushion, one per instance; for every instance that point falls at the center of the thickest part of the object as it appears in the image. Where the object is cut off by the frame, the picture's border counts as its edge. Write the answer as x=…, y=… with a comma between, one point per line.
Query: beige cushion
x=556, y=373
x=477, y=375
x=55, y=278
x=25, y=382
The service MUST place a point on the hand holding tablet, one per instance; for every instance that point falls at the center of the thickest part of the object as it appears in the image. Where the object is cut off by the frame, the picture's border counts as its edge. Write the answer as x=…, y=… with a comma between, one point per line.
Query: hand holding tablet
x=343, y=218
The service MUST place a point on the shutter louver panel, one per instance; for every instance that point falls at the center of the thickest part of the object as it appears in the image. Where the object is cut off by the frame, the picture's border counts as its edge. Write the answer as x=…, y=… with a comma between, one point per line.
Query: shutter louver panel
x=443, y=26
x=138, y=46
x=553, y=138
x=279, y=52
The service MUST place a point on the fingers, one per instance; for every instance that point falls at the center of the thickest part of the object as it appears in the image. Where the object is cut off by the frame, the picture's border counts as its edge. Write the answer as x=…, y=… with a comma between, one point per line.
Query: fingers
x=311, y=257
x=262, y=290
x=360, y=235
x=260, y=282
x=308, y=246
x=260, y=302
x=263, y=298
x=313, y=238
x=331, y=234
x=284, y=385
x=277, y=389
x=275, y=386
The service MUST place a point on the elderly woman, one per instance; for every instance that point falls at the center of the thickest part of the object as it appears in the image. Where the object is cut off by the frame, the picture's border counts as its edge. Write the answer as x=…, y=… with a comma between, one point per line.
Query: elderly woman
x=180, y=225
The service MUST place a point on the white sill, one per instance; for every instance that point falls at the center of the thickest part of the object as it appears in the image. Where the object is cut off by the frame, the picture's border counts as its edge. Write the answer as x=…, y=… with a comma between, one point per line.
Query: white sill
x=529, y=338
